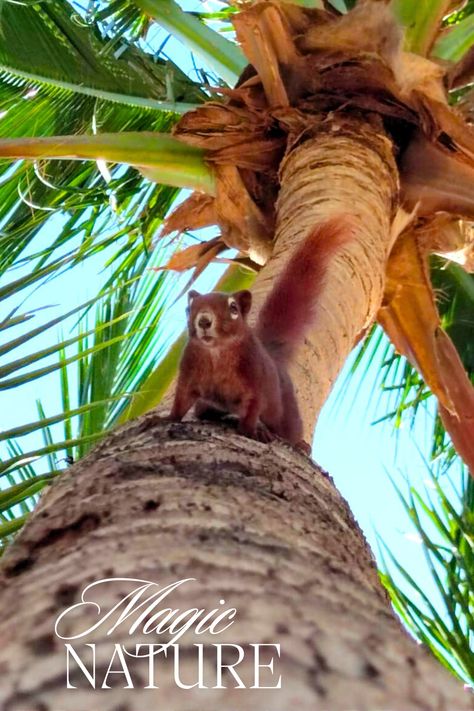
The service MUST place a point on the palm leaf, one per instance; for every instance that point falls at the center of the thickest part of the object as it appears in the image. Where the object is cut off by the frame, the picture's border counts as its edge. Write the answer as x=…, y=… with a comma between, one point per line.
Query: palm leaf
x=45, y=106
x=422, y=21
x=17, y=493
x=111, y=357
x=42, y=45
x=445, y=527
x=219, y=54
x=163, y=157
x=456, y=41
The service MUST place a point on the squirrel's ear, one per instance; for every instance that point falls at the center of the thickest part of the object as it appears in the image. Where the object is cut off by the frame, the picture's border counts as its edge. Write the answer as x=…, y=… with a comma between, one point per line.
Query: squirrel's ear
x=244, y=300
x=192, y=295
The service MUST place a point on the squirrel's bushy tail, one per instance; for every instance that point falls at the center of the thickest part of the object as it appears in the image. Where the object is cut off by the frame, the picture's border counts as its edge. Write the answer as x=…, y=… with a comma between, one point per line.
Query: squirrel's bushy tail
x=290, y=308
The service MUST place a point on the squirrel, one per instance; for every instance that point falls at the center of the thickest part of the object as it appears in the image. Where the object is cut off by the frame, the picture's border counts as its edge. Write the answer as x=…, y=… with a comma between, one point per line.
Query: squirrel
x=230, y=368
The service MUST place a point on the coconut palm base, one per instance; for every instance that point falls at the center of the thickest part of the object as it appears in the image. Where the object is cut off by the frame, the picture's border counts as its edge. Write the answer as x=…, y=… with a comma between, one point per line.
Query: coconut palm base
x=257, y=525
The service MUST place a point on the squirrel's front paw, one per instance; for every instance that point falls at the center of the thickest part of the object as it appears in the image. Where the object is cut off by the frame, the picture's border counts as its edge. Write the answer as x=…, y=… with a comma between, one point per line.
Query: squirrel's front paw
x=246, y=430
x=303, y=447
x=173, y=417
x=264, y=435
x=260, y=433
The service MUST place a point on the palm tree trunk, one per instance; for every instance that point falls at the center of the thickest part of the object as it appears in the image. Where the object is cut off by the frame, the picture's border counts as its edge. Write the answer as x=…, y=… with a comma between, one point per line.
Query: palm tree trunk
x=258, y=526
x=348, y=168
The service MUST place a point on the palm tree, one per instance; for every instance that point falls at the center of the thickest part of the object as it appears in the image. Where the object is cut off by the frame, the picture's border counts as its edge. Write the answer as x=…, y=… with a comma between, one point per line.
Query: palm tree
x=331, y=114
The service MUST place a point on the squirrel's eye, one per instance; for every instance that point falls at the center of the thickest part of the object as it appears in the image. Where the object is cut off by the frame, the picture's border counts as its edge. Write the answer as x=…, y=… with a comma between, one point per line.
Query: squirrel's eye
x=233, y=308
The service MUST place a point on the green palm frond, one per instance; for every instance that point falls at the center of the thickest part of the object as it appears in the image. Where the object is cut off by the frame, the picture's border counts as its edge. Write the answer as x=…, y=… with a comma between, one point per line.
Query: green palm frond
x=444, y=522
x=111, y=357
x=218, y=53
x=76, y=71
x=423, y=22
x=42, y=45
x=19, y=494
x=454, y=44
x=115, y=219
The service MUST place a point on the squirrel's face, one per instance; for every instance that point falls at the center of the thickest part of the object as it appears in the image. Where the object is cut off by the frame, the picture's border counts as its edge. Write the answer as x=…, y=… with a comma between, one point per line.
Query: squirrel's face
x=215, y=317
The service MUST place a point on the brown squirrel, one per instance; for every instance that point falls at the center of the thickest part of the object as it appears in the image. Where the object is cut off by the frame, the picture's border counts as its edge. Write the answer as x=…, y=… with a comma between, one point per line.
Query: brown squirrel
x=228, y=367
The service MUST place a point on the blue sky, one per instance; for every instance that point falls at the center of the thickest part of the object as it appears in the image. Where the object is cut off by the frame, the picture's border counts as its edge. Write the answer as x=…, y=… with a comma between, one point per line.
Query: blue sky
x=359, y=456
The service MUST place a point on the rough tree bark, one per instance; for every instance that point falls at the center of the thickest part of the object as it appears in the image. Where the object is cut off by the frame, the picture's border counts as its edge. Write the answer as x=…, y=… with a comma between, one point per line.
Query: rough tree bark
x=257, y=525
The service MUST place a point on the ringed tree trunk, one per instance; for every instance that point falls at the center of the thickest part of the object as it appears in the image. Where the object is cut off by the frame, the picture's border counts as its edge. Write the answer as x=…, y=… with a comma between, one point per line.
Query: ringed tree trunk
x=347, y=168
x=256, y=525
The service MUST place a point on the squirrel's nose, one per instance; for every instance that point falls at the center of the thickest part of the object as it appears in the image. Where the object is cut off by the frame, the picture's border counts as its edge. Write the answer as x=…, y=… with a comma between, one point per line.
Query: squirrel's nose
x=204, y=322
